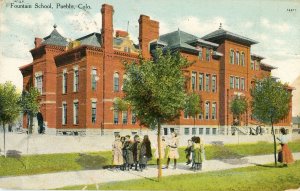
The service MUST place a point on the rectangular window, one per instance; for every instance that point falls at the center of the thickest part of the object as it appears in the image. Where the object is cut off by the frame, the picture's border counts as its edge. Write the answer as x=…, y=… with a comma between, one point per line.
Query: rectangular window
x=186, y=131
x=39, y=83
x=207, y=105
x=75, y=113
x=231, y=57
x=116, y=117
x=194, y=76
x=207, y=82
x=256, y=65
x=200, y=116
x=64, y=114
x=116, y=82
x=200, y=54
x=207, y=54
x=214, y=131
x=76, y=80
x=124, y=117
x=237, y=82
x=231, y=82
x=200, y=131
x=214, y=111
x=94, y=110
x=133, y=118
x=201, y=79
x=94, y=79
x=207, y=131
x=64, y=82
x=214, y=83
x=185, y=115
x=252, y=65
x=242, y=84
x=193, y=131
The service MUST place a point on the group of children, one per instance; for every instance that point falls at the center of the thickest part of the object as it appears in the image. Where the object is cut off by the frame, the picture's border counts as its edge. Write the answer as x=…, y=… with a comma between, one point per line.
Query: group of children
x=128, y=154
x=195, y=153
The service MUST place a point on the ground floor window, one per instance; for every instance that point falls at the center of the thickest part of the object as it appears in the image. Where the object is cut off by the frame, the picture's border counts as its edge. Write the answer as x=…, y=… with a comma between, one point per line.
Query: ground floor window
x=214, y=131
x=200, y=131
x=165, y=131
x=207, y=131
x=116, y=117
x=193, y=131
x=186, y=131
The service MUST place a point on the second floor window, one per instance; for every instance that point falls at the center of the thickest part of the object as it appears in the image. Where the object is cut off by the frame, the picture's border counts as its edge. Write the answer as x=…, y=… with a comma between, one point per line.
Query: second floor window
x=231, y=82
x=214, y=83
x=237, y=82
x=242, y=84
x=252, y=65
x=207, y=82
x=256, y=65
x=214, y=111
x=116, y=82
x=116, y=117
x=94, y=111
x=76, y=80
x=200, y=53
x=231, y=56
x=124, y=117
x=64, y=82
x=133, y=118
x=94, y=79
x=194, y=76
x=207, y=105
x=201, y=79
x=39, y=83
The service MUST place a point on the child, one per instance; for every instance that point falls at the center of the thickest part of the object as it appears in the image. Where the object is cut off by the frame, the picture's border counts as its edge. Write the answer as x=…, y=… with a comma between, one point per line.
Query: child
x=145, y=153
x=128, y=147
x=135, y=150
x=188, y=151
x=197, y=154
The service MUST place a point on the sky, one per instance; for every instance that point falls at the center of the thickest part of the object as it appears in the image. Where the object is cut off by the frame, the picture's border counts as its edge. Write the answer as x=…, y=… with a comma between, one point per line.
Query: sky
x=274, y=24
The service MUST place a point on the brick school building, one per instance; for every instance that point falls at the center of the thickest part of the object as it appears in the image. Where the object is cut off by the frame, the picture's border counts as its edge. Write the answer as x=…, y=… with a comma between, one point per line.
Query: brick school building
x=79, y=80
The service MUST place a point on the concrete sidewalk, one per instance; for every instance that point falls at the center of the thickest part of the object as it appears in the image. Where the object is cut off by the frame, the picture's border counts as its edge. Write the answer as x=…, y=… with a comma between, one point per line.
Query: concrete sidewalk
x=85, y=177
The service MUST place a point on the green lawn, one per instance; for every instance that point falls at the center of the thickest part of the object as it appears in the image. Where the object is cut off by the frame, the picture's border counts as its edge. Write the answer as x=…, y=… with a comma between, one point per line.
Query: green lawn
x=255, y=178
x=36, y=164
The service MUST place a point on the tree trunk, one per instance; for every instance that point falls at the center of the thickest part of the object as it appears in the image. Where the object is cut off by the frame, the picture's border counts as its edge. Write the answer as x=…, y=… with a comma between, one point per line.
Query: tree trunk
x=274, y=139
x=30, y=123
x=4, y=149
x=159, y=175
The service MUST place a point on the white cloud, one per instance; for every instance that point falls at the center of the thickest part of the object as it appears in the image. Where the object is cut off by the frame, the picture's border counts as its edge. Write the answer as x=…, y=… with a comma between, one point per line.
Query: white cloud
x=199, y=27
x=281, y=27
x=83, y=22
x=10, y=70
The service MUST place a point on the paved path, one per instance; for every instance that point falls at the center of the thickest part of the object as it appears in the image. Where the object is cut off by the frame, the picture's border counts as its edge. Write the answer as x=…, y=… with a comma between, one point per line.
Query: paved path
x=61, y=179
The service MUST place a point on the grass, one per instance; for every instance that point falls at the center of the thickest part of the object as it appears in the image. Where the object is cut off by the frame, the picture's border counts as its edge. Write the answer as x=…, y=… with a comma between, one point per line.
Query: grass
x=265, y=177
x=16, y=165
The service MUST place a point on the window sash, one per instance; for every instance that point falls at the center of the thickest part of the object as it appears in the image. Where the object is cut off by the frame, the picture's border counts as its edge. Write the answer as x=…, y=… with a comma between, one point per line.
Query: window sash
x=75, y=114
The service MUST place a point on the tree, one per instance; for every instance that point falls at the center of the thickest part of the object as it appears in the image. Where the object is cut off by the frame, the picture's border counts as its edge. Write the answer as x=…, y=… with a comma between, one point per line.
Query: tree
x=270, y=103
x=155, y=90
x=193, y=105
x=30, y=105
x=120, y=105
x=9, y=106
x=238, y=107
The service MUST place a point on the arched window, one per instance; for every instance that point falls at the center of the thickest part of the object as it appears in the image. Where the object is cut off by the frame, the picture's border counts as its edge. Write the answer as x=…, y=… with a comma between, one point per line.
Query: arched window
x=231, y=56
x=116, y=82
x=243, y=59
x=237, y=59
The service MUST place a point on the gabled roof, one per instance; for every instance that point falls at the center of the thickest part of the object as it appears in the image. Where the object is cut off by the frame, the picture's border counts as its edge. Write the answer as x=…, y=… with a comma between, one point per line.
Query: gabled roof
x=267, y=66
x=222, y=34
x=93, y=39
x=256, y=56
x=55, y=38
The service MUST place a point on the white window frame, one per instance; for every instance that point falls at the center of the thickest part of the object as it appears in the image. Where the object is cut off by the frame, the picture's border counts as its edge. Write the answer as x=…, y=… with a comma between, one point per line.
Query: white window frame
x=75, y=112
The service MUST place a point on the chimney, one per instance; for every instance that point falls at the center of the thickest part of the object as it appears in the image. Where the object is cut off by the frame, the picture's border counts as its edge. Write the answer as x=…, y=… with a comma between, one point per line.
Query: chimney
x=37, y=42
x=107, y=27
x=148, y=31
